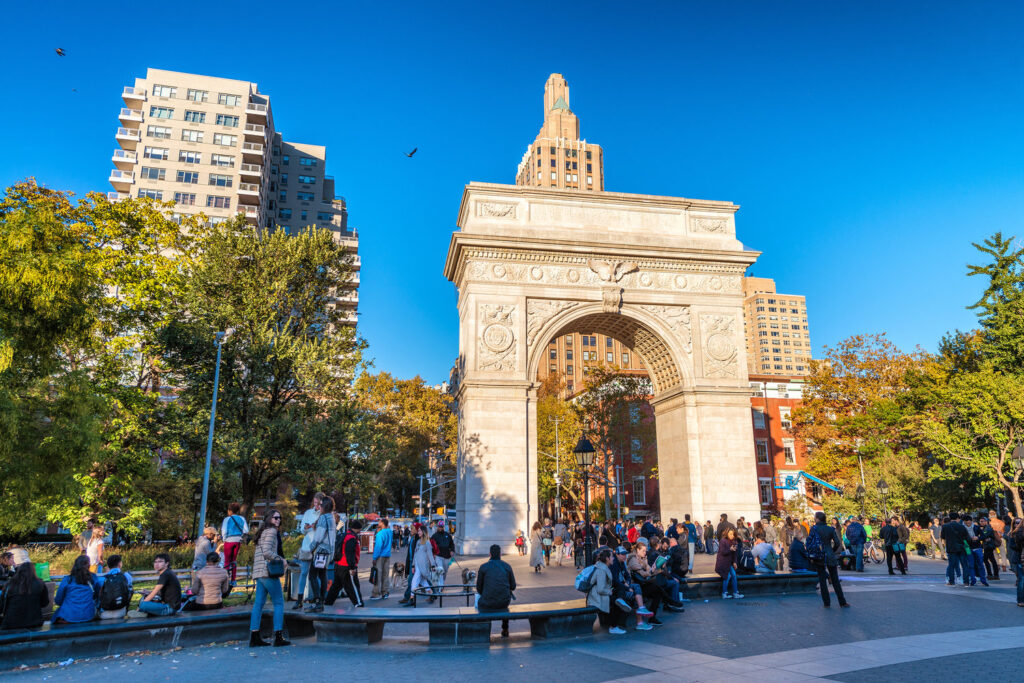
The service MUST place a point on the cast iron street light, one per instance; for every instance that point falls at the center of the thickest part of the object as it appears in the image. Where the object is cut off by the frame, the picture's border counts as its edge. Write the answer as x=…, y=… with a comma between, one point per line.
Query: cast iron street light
x=218, y=339
x=883, y=488
x=584, y=453
x=860, y=497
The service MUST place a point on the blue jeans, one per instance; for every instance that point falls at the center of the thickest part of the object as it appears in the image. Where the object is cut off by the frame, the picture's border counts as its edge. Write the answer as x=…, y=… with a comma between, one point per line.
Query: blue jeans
x=730, y=578
x=157, y=609
x=1018, y=569
x=978, y=565
x=304, y=566
x=264, y=587
x=858, y=553
x=964, y=563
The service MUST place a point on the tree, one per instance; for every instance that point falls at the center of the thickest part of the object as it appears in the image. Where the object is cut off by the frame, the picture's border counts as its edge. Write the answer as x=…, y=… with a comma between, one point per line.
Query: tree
x=1001, y=306
x=551, y=406
x=286, y=370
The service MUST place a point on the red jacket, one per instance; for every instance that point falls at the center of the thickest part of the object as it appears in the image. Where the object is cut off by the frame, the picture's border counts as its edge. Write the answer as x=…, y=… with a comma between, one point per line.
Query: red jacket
x=350, y=551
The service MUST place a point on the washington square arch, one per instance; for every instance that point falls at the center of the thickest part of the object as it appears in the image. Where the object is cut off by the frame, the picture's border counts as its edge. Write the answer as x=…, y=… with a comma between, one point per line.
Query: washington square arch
x=661, y=274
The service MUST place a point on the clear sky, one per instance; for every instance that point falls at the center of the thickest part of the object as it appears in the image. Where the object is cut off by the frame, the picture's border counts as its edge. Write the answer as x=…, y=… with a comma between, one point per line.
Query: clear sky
x=868, y=143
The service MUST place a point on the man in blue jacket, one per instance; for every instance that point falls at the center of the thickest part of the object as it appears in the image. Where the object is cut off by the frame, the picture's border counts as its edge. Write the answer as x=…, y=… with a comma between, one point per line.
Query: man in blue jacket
x=857, y=537
x=382, y=560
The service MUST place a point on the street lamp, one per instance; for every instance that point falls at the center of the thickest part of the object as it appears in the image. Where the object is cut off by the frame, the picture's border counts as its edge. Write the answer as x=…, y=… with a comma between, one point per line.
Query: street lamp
x=860, y=496
x=584, y=453
x=218, y=339
x=883, y=488
x=558, y=469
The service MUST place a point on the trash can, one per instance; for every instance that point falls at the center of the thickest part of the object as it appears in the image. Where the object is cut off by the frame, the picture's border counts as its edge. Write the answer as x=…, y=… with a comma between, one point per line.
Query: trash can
x=293, y=581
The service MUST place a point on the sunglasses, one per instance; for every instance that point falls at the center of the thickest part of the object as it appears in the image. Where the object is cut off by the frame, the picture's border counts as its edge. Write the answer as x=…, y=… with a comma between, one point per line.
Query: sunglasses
x=276, y=517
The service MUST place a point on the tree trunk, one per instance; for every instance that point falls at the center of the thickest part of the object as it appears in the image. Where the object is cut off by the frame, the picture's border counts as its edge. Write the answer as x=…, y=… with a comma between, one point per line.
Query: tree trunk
x=1015, y=494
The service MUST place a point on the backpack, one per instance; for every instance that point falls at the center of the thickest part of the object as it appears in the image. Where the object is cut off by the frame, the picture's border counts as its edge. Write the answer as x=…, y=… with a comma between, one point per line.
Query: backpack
x=771, y=560
x=815, y=550
x=115, y=594
x=746, y=563
x=339, y=544
x=585, y=579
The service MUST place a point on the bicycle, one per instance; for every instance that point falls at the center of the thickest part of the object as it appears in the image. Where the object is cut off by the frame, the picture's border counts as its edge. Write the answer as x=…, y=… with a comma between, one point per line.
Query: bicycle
x=873, y=553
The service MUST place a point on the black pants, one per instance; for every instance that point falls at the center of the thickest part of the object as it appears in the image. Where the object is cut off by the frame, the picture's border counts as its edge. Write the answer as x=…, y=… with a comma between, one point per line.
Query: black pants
x=504, y=622
x=613, y=617
x=826, y=573
x=991, y=566
x=652, y=595
x=317, y=583
x=349, y=580
x=889, y=554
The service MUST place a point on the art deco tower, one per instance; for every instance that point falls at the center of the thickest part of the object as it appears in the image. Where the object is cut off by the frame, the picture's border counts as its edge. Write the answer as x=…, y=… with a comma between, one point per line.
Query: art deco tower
x=558, y=157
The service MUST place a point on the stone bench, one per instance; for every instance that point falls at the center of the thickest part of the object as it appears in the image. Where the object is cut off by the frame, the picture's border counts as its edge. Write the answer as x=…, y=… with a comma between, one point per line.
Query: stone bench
x=710, y=585
x=452, y=625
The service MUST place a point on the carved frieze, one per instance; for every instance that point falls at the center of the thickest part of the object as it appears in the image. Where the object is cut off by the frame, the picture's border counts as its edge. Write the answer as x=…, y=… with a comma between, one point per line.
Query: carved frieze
x=720, y=350
x=496, y=348
x=611, y=271
x=677, y=319
x=539, y=312
x=611, y=299
x=623, y=273
x=496, y=210
x=712, y=226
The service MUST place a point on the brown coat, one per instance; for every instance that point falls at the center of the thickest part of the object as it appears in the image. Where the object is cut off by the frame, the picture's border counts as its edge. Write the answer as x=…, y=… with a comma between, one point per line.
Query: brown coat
x=266, y=549
x=210, y=584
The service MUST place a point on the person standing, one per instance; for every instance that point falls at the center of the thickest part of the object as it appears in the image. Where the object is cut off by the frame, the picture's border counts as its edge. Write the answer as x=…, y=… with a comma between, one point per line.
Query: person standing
x=268, y=549
x=165, y=598
x=536, y=547
x=1015, y=554
x=410, y=556
x=691, y=540
x=382, y=544
x=955, y=535
x=321, y=550
x=422, y=563
x=559, y=541
x=233, y=529
x=94, y=548
x=24, y=596
x=210, y=585
x=857, y=537
x=827, y=565
x=987, y=538
x=935, y=539
x=725, y=563
x=890, y=536
x=903, y=536
x=976, y=556
x=444, y=546
x=495, y=582
x=308, y=527
x=346, y=569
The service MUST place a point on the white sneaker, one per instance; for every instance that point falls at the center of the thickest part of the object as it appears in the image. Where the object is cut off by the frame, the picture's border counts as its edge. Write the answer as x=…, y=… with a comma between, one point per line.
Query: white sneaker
x=644, y=626
x=726, y=596
x=644, y=612
x=737, y=595
x=623, y=605
x=615, y=630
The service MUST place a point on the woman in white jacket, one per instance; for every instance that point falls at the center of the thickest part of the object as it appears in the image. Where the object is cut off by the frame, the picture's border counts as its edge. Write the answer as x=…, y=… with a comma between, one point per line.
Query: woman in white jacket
x=323, y=545
x=423, y=563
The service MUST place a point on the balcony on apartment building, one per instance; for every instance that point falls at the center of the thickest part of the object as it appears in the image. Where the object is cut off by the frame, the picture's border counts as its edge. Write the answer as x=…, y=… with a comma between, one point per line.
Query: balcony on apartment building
x=117, y=196
x=130, y=115
x=123, y=157
x=132, y=95
x=255, y=132
x=253, y=151
x=256, y=112
x=122, y=179
x=128, y=136
x=251, y=170
x=249, y=193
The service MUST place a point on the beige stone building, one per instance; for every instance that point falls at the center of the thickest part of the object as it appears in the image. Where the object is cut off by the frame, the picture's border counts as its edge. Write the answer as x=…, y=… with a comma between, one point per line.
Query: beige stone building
x=210, y=145
x=776, y=330
x=558, y=157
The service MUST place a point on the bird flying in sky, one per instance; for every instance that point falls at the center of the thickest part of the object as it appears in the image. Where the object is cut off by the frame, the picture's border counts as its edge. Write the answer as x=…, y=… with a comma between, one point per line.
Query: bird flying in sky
x=60, y=52
x=409, y=154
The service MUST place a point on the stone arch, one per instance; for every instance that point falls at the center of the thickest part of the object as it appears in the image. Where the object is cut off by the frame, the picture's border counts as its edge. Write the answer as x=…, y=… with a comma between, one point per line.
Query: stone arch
x=663, y=343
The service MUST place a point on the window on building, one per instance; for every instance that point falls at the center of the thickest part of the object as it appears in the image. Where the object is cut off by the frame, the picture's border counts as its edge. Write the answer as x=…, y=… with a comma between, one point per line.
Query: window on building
x=189, y=157
x=285, y=213
x=161, y=112
x=639, y=492
x=222, y=160
x=568, y=354
x=185, y=198
x=226, y=120
x=229, y=100
x=308, y=162
x=552, y=368
x=155, y=153
x=552, y=354
x=151, y=194
x=789, y=450
x=159, y=132
x=188, y=177
x=761, y=448
x=568, y=340
x=218, y=202
x=224, y=139
x=304, y=196
x=764, y=487
x=198, y=95
x=569, y=387
x=758, y=418
x=220, y=180
x=568, y=369
x=195, y=116
x=784, y=420
x=307, y=179
x=554, y=176
x=771, y=301
x=636, y=449
x=323, y=216
x=152, y=173
x=164, y=91
x=284, y=178
x=283, y=195
x=192, y=136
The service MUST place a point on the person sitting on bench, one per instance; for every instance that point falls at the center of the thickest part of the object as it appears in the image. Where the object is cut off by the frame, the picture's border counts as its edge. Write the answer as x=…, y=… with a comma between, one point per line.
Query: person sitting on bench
x=495, y=582
x=210, y=585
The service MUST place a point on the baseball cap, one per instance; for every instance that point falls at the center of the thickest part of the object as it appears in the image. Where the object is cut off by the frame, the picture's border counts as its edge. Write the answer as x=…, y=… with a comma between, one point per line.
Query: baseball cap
x=621, y=551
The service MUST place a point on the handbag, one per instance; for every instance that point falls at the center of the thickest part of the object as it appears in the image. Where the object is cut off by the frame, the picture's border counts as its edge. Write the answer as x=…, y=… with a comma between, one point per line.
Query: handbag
x=373, y=576
x=275, y=568
x=321, y=558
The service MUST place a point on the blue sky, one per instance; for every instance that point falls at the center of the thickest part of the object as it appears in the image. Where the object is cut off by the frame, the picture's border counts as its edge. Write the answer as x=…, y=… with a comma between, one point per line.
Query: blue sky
x=868, y=144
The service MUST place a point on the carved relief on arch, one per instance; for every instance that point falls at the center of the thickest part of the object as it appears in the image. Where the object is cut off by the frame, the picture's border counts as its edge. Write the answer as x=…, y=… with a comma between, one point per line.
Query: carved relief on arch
x=497, y=349
x=719, y=345
x=676, y=319
x=539, y=312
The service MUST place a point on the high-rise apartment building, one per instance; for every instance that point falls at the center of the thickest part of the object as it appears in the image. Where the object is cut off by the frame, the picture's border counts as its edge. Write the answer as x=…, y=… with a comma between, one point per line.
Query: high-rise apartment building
x=558, y=157
x=572, y=356
x=210, y=145
x=776, y=329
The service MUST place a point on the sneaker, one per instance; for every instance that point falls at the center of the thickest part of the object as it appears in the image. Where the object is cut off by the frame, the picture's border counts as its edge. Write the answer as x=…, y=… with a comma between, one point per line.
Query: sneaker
x=616, y=631
x=136, y=614
x=737, y=595
x=644, y=627
x=376, y=597
x=950, y=584
x=623, y=605
x=675, y=608
x=655, y=621
x=985, y=584
x=644, y=612
x=726, y=596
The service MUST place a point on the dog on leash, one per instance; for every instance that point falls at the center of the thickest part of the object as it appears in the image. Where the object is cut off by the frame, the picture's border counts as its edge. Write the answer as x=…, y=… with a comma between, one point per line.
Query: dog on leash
x=468, y=577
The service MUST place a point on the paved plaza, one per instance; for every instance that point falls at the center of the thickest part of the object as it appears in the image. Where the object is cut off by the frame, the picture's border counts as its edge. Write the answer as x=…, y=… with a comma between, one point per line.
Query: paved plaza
x=899, y=628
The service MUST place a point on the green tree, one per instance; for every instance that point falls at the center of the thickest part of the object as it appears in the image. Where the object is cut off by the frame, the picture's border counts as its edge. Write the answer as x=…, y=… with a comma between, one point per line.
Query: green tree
x=1001, y=306
x=551, y=406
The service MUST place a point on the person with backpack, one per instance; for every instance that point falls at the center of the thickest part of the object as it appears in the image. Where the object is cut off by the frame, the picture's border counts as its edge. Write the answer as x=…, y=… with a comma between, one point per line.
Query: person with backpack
x=955, y=536
x=445, y=545
x=233, y=530
x=76, y=594
x=346, y=568
x=599, y=587
x=495, y=582
x=115, y=590
x=890, y=536
x=24, y=596
x=823, y=548
x=210, y=585
x=560, y=537
x=322, y=553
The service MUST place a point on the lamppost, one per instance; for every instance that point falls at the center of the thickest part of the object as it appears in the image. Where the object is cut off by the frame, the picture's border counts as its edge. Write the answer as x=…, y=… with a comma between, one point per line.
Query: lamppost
x=584, y=453
x=883, y=488
x=558, y=470
x=1018, y=461
x=860, y=496
x=218, y=339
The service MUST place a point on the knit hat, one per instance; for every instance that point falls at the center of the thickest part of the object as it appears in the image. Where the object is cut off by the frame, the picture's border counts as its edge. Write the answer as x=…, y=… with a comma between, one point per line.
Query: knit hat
x=20, y=556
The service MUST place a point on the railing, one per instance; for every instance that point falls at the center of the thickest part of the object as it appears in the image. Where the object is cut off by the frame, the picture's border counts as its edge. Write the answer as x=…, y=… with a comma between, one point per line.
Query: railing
x=249, y=187
x=126, y=112
x=252, y=169
x=255, y=128
x=133, y=133
x=252, y=147
x=126, y=176
x=134, y=92
x=256, y=107
x=116, y=197
x=125, y=155
x=249, y=211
